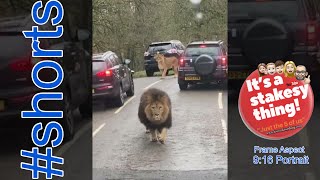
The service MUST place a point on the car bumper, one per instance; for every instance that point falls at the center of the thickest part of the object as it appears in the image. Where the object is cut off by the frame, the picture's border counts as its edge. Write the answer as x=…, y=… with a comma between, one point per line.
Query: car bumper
x=14, y=104
x=13, y=101
x=103, y=91
x=191, y=76
x=151, y=65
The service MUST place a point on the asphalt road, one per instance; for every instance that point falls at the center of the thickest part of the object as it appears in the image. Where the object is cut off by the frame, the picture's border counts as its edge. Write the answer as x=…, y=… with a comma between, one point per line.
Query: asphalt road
x=196, y=146
x=197, y=142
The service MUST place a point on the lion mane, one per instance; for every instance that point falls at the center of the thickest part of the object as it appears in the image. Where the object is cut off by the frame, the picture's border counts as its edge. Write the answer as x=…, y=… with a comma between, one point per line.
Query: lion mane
x=148, y=99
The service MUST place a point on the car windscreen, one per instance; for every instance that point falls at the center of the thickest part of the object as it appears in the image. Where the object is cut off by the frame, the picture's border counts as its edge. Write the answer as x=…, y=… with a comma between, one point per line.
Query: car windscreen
x=197, y=50
x=159, y=47
x=284, y=10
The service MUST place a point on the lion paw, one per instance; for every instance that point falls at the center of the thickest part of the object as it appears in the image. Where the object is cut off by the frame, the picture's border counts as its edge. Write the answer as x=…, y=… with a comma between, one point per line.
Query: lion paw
x=154, y=139
x=147, y=131
x=162, y=77
x=162, y=141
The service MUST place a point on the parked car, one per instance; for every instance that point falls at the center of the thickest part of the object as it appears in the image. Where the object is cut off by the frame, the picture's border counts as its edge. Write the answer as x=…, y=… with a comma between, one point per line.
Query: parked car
x=111, y=78
x=17, y=88
x=203, y=61
x=264, y=31
x=171, y=47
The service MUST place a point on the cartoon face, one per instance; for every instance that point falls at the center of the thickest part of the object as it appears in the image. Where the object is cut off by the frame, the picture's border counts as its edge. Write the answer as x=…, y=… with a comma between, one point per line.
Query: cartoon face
x=290, y=68
x=301, y=72
x=271, y=68
x=279, y=69
x=262, y=69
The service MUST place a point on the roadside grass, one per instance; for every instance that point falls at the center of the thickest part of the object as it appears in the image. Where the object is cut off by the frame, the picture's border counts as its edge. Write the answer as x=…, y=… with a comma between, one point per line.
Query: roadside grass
x=140, y=74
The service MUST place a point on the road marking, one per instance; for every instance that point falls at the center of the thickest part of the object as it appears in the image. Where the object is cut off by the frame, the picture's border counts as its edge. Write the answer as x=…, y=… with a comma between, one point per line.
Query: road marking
x=76, y=137
x=152, y=84
x=225, y=130
x=97, y=130
x=124, y=104
x=223, y=122
x=220, y=101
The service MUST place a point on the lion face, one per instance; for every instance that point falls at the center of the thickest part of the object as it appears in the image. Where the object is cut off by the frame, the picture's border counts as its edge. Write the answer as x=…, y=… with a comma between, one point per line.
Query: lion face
x=158, y=57
x=157, y=111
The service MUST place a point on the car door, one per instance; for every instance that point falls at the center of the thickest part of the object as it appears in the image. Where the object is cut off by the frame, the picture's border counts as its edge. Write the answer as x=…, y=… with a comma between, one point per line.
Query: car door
x=124, y=74
x=116, y=68
x=77, y=76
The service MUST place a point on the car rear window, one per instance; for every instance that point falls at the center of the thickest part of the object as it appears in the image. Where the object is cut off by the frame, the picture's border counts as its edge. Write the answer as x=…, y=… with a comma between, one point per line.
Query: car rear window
x=153, y=48
x=99, y=65
x=14, y=46
x=286, y=10
x=197, y=50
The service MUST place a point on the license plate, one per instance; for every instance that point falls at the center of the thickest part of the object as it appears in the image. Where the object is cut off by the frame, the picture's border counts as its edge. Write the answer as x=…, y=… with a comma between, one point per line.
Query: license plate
x=192, y=78
x=2, y=106
x=238, y=75
x=92, y=91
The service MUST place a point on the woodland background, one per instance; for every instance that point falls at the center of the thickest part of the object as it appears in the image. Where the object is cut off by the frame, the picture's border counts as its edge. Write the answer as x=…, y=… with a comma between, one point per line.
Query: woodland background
x=127, y=27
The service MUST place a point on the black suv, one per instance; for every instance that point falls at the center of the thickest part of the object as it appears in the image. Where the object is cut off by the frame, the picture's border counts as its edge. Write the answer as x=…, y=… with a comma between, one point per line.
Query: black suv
x=204, y=61
x=111, y=78
x=264, y=31
x=150, y=64
x=17, y=88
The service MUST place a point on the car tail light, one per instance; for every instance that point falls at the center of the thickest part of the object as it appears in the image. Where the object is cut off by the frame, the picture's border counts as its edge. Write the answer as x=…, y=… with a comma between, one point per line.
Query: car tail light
x=108, y=73
x=103, y=74
x=181, y=62
x=312, y=33
x=224, y=61
x=21, y=64
x=24, y=64
x=203, y=46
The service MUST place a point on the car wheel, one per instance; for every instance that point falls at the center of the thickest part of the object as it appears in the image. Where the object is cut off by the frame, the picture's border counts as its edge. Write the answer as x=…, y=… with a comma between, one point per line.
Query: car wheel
x=183, y=86
x=68, y=119
x=149, y=73
x=130, y=92
x=119, y=101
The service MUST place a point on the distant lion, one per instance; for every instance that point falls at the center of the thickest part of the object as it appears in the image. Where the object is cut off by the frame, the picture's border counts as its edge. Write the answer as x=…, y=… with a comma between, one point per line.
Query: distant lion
x=155, y=113
x=165, y=63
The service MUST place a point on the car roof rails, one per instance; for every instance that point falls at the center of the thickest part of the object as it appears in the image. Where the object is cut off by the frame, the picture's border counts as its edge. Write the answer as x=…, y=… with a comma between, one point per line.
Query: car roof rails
x=163, y=42
x=15, y=23
x=175, y=41
x=206, y=42
x=107, y=53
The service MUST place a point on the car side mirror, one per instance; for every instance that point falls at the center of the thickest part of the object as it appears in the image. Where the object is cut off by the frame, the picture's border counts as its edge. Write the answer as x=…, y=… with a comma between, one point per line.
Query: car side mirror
x=83, y=34
x=127, y=61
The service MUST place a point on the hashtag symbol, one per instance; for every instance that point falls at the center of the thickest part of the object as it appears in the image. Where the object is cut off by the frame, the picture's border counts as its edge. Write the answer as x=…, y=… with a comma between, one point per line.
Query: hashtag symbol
x=35, y=167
